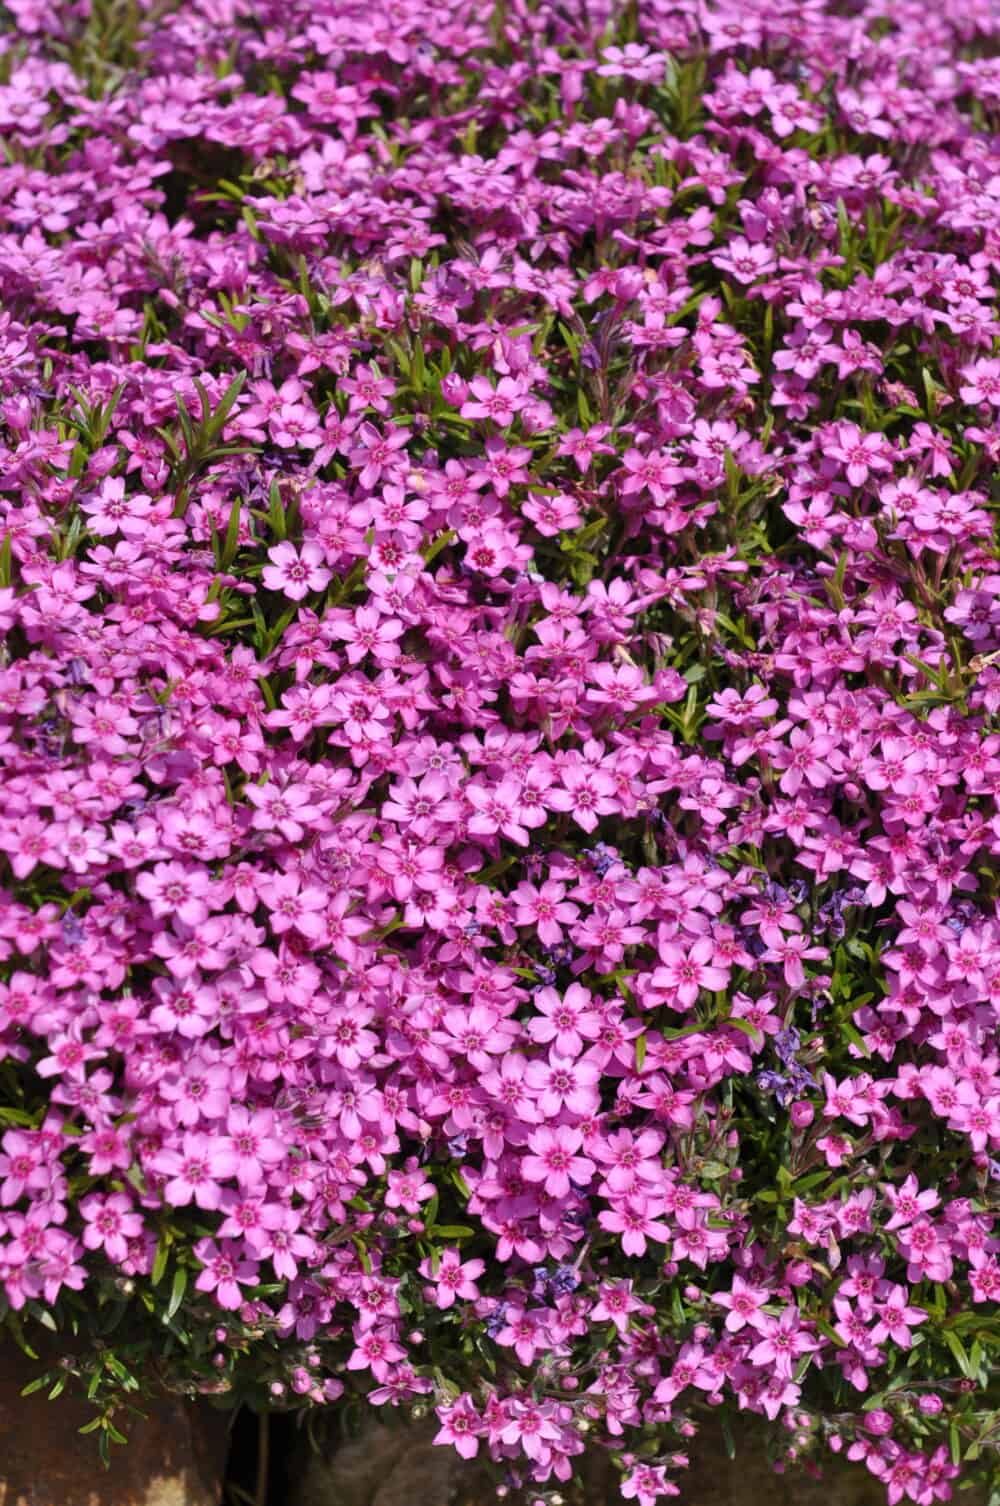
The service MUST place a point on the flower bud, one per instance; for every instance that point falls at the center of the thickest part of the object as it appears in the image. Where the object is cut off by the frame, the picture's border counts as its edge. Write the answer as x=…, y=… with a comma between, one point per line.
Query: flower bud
x=798, y=1272
x=17, y=414
x=454, y=389
x=103, y=461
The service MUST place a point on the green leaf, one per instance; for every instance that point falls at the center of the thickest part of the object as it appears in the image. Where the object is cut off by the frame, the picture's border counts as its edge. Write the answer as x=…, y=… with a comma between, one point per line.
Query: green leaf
x=957, y=1348
x=187, y=427
x=231, y=542
x=276, y=513
x=854, y=1036
x=214, y=424
x=15, y=1328
x=744, y=1026
x=177, y=1290
x=159, y=1261
x=678, y=1033
x=812, y=1180
x=439, y=543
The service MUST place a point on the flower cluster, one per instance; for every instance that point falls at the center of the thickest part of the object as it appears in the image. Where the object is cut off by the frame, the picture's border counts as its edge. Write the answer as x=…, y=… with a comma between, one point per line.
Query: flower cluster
x=501, y=655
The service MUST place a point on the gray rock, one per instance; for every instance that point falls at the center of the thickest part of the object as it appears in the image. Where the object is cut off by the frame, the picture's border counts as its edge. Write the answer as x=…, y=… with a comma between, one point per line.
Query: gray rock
x=400, y=1466
x=174, y=1457
x=383, y=1466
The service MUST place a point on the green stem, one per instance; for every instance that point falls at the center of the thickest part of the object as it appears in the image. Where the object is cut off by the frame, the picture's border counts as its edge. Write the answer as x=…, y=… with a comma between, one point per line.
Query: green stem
x=263, y=1459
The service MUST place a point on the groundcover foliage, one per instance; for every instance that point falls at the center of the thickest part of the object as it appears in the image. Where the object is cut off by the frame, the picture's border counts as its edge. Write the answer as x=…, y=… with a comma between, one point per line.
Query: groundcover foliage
x=501, y=651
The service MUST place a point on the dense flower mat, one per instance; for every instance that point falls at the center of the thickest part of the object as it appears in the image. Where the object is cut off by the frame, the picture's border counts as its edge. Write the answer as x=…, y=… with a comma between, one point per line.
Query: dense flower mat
x=501, y=648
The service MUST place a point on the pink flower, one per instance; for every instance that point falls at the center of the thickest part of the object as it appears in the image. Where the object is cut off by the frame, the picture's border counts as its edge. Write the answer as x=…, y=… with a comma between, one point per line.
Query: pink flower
x=908, y=1202
x=496, y=811
x=193, y=1172
x=784, y=1341
x=646, y=1484
x=379, y=454
x=566, y=1019
x=686, y=970
x=501, y=404
x=460, y=1425
x=744, y=1302
x=860, y=453
x=792, y=952
x=292, y=905
x=691, y=1368
x=452, y=1279
x=895, y=1318
x=224, y=1272
x=803, y=761
x=296, y=572
x=110, y=511
x=375, y=1350
x=369, y=632
x=408, y=1189
x=636, y=1219
x=554, y=1160
x=254, y=1145
x=563, y=1082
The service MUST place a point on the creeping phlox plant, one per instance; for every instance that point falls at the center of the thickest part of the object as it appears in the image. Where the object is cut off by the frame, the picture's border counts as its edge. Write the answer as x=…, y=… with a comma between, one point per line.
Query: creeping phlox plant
x=501, y=651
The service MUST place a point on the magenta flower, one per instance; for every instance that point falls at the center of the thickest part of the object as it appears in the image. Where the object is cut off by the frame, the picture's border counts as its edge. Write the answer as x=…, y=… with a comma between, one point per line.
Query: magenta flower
x=545, y=909
x=636, y=1220
x=564, y=1019
x=784, y=1341
x=686, y=971
x=639, y=472
x=111, y=1222
x=497, y=810
x=452, y=1279
x=554, y=1161
x=296, y=572
x=193, y=1173
x=460, y=1426
x=744, y=1302
x=223, y=1272
x=563, y=1083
